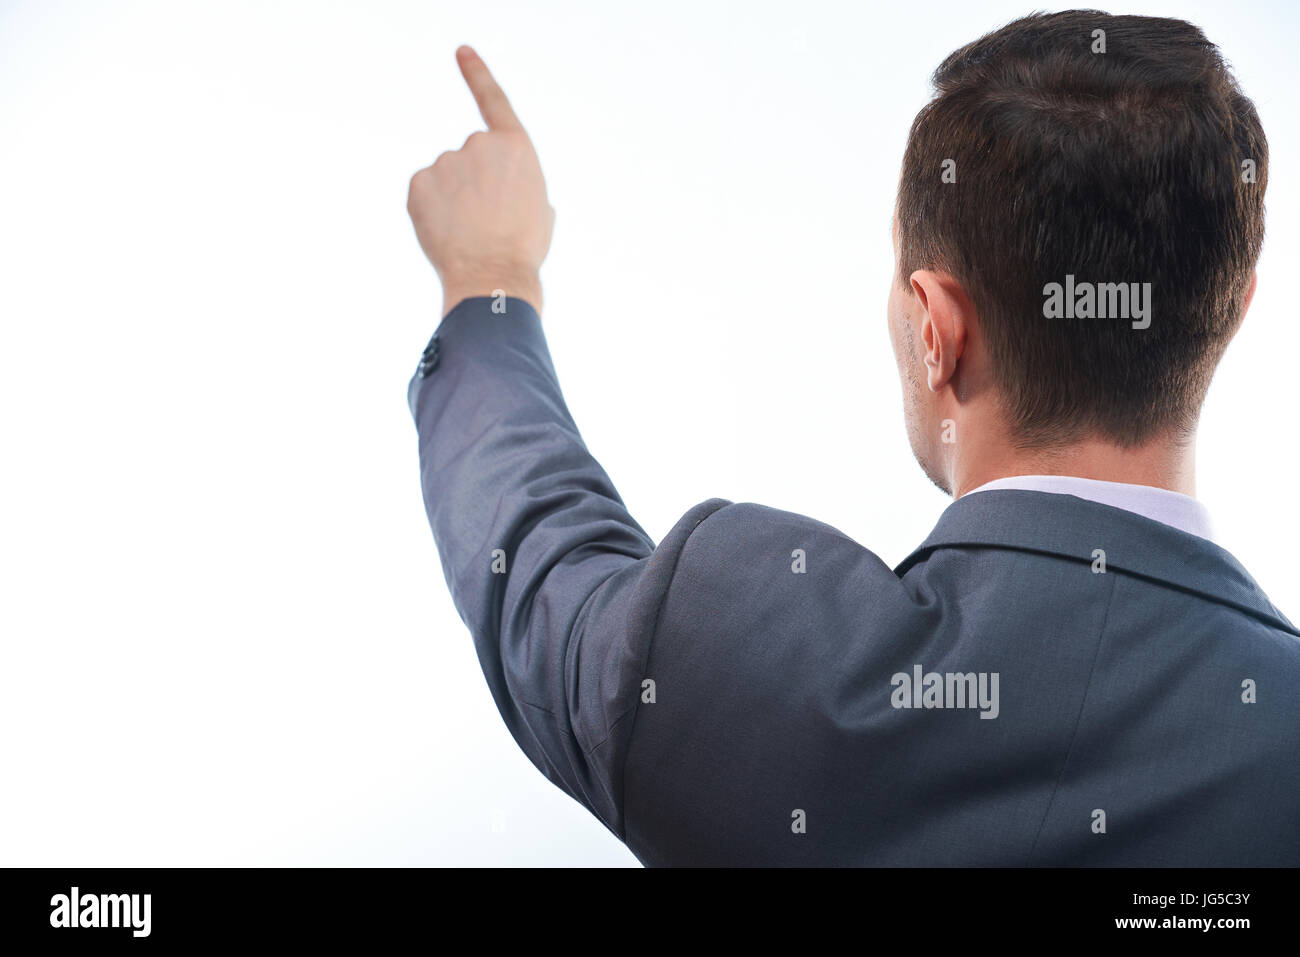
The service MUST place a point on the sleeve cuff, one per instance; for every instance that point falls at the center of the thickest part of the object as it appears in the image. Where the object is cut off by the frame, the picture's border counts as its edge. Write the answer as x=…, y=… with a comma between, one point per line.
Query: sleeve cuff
x=475, y=319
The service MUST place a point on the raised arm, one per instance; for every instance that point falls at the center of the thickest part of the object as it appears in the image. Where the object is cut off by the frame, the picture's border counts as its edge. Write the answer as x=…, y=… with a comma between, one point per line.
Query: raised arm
x=560, y=587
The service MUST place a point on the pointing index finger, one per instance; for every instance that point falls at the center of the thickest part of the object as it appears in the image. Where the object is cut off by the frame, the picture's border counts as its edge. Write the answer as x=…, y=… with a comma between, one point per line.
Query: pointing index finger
x=491, y=99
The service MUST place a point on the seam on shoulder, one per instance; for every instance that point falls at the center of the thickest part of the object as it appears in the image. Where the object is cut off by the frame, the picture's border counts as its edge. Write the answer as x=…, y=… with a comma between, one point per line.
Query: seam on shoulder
x=621, y=808
x=659, y=608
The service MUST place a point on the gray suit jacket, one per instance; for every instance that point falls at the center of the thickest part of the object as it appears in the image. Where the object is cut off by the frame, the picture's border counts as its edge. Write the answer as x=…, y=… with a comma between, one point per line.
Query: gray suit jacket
x=1044, y=681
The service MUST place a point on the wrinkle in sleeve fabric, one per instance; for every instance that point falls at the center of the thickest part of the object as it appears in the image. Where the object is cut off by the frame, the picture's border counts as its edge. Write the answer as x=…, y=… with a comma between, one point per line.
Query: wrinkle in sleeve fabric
x=560, y=587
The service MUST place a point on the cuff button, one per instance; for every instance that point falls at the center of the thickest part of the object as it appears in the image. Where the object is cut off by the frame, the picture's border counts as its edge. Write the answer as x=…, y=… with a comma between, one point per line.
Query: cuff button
x=429, y=358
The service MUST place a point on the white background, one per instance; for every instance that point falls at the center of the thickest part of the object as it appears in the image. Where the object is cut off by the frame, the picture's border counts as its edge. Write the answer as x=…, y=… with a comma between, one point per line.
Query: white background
x=226, y=639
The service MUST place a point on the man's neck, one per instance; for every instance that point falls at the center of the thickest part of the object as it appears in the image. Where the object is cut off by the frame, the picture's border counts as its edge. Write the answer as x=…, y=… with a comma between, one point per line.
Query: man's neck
x=1163, y=463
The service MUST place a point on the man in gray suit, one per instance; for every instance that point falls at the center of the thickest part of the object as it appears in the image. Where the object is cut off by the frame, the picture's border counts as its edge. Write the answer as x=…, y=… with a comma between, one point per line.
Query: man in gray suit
x=1068, y=671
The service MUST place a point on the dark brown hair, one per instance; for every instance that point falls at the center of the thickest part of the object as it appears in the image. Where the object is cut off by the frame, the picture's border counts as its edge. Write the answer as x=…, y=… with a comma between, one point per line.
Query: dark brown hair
x=1116, y=166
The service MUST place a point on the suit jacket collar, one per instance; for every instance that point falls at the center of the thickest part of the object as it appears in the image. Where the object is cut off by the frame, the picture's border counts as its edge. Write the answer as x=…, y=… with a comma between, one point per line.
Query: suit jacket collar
x=1071, y=527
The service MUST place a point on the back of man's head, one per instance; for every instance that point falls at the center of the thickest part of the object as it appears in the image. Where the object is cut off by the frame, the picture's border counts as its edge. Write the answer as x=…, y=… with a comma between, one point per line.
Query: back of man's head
x=1109, y=149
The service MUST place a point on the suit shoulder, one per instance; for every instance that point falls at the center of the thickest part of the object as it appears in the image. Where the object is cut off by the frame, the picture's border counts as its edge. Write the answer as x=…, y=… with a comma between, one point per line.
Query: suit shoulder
x=730, y=550
x=742, y=524
x=1236, y=636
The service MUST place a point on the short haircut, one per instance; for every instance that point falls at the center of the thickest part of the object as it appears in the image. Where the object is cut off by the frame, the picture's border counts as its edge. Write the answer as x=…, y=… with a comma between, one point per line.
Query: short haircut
x=1132, y=165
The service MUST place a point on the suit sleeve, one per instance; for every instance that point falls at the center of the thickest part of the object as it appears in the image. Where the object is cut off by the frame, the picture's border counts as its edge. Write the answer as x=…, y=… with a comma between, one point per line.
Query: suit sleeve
x=560, y=587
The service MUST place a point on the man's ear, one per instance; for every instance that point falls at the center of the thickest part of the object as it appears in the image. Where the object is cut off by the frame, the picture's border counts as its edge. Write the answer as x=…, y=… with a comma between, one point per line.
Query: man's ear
x=946, y=314
x=1250, y=293
x=1245, y=304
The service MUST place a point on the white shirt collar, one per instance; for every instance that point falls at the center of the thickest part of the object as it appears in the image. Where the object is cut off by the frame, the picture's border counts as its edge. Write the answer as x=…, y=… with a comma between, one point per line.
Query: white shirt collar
x=1158, y=504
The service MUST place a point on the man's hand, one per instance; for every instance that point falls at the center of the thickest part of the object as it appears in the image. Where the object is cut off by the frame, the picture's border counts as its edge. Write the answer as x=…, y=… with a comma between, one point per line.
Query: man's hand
x=480, y=212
